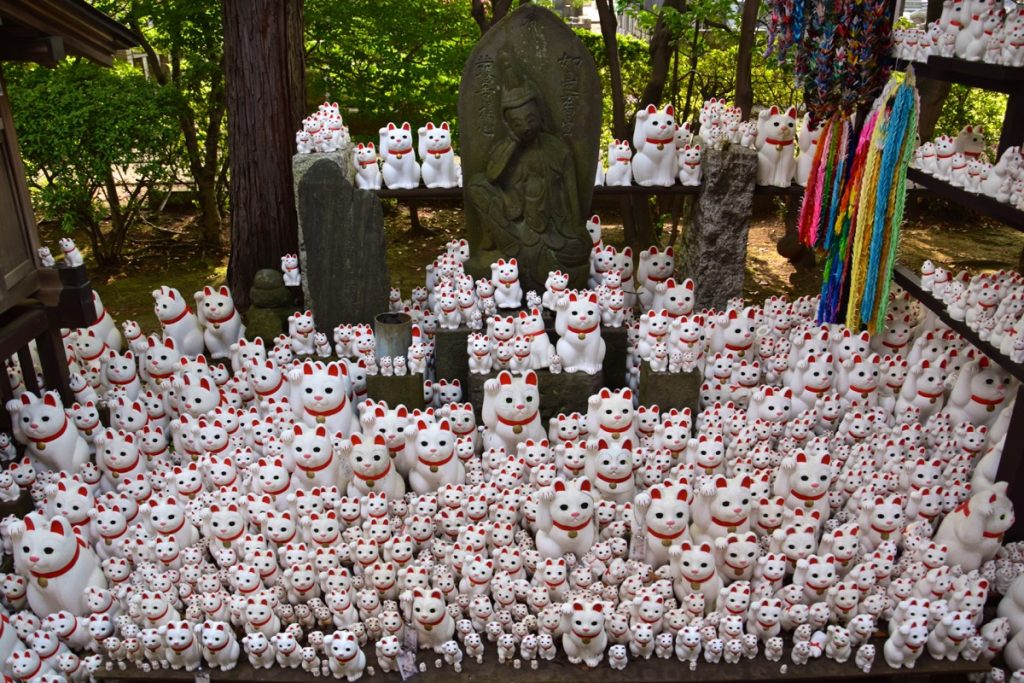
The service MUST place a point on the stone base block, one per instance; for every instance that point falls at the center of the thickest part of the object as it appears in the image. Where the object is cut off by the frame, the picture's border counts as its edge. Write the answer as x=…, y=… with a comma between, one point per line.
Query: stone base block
x=670, y=390
x=407, y=390
x=561, y=393
x=451, y=361
x=615, y=356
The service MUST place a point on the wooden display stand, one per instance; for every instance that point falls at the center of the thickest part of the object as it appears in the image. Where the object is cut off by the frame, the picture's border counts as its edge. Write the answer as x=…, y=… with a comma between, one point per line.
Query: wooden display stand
x=561, y=671
x=1009, y=80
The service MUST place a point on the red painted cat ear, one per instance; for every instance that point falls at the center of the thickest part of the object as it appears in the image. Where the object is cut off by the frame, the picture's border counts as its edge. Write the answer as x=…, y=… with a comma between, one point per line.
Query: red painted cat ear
x=651, y=109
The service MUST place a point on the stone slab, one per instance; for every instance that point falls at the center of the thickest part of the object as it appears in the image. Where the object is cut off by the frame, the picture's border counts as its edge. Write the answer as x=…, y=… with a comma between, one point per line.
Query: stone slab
x=561, y=393
x=714, y=246
x=670, y=390
x=616, y=350
x=450, y=358
x=341, y=241
x=407, y=390
x=544, y=179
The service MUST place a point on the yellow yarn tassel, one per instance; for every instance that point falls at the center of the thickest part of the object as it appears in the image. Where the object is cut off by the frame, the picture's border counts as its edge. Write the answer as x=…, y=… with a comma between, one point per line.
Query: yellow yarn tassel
x=860, y=253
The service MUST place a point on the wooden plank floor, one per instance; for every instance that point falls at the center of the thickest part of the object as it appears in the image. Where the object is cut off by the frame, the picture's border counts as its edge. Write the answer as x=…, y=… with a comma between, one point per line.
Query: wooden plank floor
x=561, y=671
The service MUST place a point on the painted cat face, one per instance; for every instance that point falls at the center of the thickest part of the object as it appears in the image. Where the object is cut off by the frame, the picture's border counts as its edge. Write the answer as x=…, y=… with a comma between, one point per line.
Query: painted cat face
x=436, y=138
x=572, y=504
x=398, y=137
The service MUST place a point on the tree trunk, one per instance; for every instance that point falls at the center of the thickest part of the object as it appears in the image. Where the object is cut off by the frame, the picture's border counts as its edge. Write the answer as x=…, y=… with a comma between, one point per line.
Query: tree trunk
x=209, y=210
x=694, y=60
x=263, y=64
x=609, y=27
x=661, y=55
x=744, y=87
x=933, y=93
x=202, y=162
x=478, y=10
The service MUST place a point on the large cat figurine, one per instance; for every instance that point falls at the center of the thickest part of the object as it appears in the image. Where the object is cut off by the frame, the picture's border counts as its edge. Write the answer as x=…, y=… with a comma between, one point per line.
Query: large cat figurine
x=511, y=411
x=437, y=160
x=401, y=171
x=655, y=161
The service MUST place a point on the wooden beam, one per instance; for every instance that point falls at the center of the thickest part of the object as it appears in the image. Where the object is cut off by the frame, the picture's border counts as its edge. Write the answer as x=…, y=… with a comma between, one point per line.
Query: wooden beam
x=85, y=31
x=47, y=51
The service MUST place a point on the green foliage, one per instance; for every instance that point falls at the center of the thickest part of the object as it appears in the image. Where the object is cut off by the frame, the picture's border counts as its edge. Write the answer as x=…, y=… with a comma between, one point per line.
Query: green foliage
x=972, y=106
x=387, y=60
x=85, y=131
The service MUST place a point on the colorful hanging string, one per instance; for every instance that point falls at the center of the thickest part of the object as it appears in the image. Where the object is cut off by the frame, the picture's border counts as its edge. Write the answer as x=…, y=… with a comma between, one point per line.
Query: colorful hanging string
x=838, y=49
x=853, y=205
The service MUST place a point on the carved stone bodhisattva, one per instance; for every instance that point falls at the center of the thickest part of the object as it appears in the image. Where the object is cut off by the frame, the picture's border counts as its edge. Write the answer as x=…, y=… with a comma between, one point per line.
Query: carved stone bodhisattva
x=530, y=116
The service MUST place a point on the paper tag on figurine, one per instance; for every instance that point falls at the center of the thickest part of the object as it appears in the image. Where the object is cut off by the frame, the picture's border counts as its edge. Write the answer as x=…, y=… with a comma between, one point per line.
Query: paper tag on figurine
x=407, y=665
x=202, y=676
x=411, y=640
x=638, y=546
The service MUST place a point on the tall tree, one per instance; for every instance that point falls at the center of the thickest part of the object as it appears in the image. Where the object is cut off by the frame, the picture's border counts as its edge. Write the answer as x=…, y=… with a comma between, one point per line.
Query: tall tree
x=933, y=92
x=263, y=63
x=609, y=31
x=744, y=87
x=499, y=8
x=183, y=45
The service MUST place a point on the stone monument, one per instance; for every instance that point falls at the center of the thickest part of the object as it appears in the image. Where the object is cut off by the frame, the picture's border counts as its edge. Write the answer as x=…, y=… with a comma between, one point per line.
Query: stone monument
x=530, y=119
x=714, y=249
x=341, y=241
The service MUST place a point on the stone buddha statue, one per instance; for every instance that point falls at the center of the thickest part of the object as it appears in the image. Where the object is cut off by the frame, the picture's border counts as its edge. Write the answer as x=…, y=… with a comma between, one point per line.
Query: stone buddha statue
x=526, y=197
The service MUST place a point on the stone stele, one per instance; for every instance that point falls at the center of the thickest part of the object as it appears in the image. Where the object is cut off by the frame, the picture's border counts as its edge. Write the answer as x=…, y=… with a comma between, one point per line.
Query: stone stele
x=714, y=249
x=341, y=241
x=530, y=120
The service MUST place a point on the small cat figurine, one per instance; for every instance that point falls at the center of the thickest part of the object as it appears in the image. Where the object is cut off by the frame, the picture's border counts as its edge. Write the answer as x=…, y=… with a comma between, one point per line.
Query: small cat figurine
x=367, y=170
x=689, y=165
x=436, y=156
x=620, y=164
x=401, y=171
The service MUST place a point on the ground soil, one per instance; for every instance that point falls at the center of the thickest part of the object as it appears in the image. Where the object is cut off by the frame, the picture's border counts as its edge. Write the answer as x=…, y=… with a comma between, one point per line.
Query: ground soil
x=164, y=252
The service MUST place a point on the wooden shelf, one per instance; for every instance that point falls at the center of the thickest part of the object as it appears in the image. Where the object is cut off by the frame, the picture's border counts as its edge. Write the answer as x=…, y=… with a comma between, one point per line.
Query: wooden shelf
x=561, y=671
x=1007, y=79
x=599, y=191
x=982, y=204
x=912, y=283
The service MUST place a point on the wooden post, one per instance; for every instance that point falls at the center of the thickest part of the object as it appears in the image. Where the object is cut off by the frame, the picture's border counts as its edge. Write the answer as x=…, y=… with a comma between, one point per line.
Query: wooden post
x=263, y=64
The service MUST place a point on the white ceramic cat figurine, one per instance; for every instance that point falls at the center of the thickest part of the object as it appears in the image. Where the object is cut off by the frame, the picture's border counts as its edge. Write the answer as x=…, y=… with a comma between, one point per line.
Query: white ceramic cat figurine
x=807, y=139
x=620, y=164
x=72, y=257
x=508, y=293
x=566, y=521
x=367, y=169
x=655, y=162
x=511, y=411
x=178, y=321
x=220, y=319
x=50, y=437
x=776, y=131
x=437, y=160
x=401, y=171
x=290, y=270
x=689, y=165
x=59, y=563
x=578, y=323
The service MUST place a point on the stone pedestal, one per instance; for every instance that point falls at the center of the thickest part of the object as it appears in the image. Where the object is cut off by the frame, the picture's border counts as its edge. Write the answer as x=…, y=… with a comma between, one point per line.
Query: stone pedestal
x=614, y=367
x=670, y=390
x=407, y=390
x=451, y=361
x=714, y=250
x=561, y=393
x=341, y=241
x=272, y=303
